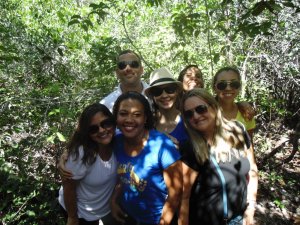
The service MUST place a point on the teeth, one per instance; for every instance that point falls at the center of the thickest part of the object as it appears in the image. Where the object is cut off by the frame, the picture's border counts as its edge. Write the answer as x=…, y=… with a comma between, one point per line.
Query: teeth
x=103, y=135
x=128, y=128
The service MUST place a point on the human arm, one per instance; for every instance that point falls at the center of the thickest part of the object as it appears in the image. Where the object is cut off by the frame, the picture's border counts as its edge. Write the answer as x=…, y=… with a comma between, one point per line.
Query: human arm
x=69, y=187
x=116, y=210
x=189, y=178
x=246, y=110
x=173, y=179
x=251, y=188
x=63, y=171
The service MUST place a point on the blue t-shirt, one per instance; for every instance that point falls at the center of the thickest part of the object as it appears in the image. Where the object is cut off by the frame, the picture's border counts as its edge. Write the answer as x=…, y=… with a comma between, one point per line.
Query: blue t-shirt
x=180, y=132
x=143, y=187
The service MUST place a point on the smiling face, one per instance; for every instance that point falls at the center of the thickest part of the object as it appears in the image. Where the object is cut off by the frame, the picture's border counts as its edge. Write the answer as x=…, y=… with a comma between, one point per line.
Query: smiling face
x=130, y=75
x=204, y=122
x=166, y=100
x=192, y=79
x=229, y=93
x=131, y=118
x=104, y=135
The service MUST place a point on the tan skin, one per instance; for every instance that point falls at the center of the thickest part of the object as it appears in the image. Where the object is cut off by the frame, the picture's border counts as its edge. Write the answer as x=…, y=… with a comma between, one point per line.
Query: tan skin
x=103, y=137
x=168, y=116
x=130, y=78
x=205, y=124
x=226, y=97
x=193, y=79
x=130, y=120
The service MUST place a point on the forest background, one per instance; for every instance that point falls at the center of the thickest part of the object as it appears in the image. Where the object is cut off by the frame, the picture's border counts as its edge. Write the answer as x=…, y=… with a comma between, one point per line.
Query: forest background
x=57, y=56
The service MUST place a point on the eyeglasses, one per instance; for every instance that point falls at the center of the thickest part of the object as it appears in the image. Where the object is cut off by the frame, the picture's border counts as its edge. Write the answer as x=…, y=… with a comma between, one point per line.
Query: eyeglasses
x=157, y=91
x=105, y=124
x=200, y=109
x=223, y=85
x=133, y=64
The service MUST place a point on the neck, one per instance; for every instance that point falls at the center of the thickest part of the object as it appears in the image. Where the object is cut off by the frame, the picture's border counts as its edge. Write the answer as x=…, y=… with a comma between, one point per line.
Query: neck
x=209, y=137
x=229, y=109
x=132, y=87
x=134, y=146
x=166, y=115
x=105, y=151
x=137, y=141
x=227, y=105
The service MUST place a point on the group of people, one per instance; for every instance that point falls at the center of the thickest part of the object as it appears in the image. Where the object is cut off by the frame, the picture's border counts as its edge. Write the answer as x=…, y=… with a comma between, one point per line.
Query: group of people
x=178, y=155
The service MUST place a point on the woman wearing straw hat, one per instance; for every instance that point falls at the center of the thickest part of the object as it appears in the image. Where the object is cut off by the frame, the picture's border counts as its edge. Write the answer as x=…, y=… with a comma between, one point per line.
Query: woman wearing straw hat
x=164, y=91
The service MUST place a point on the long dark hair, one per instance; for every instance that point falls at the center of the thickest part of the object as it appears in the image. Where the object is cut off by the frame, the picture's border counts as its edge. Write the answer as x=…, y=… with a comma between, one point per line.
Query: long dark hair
x=81, y=135
x=183, y=72
x=142, y=99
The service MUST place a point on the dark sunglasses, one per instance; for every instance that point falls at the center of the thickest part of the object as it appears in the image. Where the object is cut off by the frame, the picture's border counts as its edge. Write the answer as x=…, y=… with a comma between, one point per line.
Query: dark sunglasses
x=133, y=64
x=223, y=85
x=200, y=109
x=157, y=91
x=105, y=124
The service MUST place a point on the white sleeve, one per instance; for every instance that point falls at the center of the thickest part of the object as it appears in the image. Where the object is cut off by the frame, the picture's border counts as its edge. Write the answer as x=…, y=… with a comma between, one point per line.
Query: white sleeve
x=78, y=168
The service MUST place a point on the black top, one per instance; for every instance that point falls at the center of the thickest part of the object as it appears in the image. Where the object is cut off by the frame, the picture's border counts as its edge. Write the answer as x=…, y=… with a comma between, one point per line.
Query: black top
x=206, y=202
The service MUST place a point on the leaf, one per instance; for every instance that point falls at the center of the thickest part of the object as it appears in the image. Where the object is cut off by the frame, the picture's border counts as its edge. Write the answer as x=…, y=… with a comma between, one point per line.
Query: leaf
x=60, y=51
x=73, y=22
x=288, y=4
x=54, y=112
x=51, y=139
x=30, y=213
x=88, y=23
x=61, y=137
x=258, y=8
x=75, y=17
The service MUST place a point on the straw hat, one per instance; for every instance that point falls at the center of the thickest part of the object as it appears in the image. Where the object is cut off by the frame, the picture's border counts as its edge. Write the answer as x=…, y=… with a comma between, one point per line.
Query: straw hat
x=162, y=76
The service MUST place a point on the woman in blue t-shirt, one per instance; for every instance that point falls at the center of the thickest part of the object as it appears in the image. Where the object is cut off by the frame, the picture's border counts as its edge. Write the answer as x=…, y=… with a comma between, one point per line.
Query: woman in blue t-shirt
x=165, y=92
x=149, y=170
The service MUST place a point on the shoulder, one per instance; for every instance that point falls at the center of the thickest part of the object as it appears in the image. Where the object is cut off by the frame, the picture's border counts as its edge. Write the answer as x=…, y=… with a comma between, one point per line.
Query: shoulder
x=244, y=131
x=249, y=124
x=110, y=99
x=145, y=86
x=159, y=137
x=80, y=151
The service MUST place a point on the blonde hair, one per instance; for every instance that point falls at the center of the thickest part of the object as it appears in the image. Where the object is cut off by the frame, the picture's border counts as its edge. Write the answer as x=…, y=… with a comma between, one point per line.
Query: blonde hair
x=228, y=138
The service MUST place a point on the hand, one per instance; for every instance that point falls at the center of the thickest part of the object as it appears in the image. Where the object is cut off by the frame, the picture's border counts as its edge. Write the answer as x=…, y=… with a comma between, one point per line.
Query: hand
x=118, y=213
x=246, y=110
x=64, y=173
x=249, y=216
x=72, y=221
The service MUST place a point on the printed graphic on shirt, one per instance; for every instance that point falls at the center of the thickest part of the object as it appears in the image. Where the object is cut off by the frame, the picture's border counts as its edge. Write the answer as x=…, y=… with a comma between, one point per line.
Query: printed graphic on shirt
x=129, y=177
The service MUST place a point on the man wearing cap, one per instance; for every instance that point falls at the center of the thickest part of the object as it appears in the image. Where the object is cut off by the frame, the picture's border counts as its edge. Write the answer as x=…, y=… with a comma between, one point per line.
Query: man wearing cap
x=129, y=71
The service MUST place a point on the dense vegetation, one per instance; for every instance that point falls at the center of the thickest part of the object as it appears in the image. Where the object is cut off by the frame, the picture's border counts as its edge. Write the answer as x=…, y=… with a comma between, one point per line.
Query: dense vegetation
x=57, y=56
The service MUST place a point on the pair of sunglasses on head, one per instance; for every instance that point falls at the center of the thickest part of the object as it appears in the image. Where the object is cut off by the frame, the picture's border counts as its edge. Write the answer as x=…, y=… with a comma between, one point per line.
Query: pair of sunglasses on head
x=133, y=64
x=222, y=85
x=104, y=124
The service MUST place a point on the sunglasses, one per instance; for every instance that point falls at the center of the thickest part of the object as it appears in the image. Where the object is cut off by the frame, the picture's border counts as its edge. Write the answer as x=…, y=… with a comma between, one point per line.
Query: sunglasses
x=156, y=91
x=200, y=109
x=105, y=124
x=223, y=85
x=133, y=64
